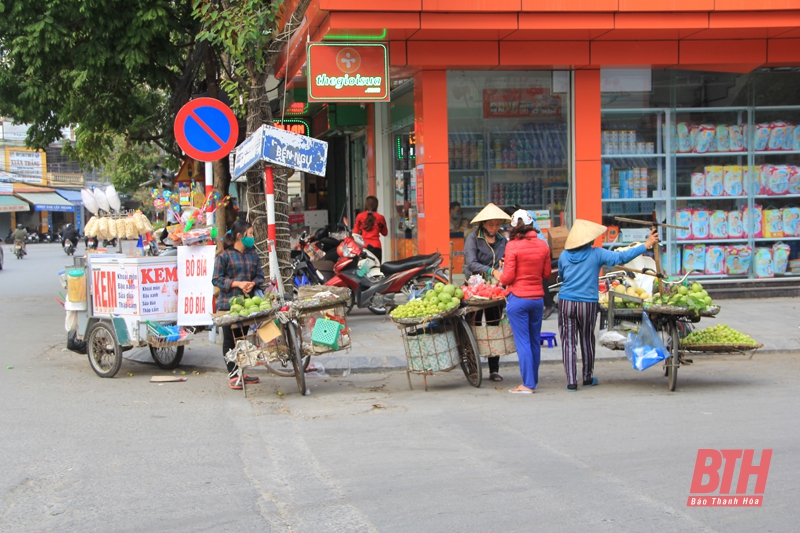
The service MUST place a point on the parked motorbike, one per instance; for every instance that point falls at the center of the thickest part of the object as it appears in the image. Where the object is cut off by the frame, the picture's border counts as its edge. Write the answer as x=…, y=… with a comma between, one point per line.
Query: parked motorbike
x=32, y=238
x=19, y=251
x=399, y=278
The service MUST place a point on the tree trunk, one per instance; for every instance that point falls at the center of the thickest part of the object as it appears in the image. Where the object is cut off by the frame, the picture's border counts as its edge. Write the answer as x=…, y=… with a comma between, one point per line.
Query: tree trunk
x=258, y=113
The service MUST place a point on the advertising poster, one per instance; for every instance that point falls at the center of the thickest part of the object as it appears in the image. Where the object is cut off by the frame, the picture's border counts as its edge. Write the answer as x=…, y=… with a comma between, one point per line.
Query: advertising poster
x=520, y=103
x=348, y=72
x=28, y=165
x=195, y=269
x=158, y=289
x=114, y=290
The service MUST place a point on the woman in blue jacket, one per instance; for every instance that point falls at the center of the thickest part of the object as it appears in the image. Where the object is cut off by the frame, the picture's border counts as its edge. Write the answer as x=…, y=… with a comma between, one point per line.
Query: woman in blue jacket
x=579, y=269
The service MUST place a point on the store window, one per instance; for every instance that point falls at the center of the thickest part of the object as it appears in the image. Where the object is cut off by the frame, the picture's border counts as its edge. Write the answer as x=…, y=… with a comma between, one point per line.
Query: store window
x=404, y=212
x=508, y=144
x=713, y=152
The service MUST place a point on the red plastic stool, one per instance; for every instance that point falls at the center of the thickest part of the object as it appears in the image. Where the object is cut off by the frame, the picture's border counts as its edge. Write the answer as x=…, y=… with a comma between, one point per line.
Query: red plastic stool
x=550, y=338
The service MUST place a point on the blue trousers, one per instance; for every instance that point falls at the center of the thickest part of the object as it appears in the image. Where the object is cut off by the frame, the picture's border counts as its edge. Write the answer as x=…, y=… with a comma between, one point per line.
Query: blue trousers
x=525, y=317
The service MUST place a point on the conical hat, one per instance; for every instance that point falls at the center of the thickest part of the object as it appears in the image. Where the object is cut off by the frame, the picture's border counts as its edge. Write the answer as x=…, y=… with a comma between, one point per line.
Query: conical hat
x=583, y=232
x=491, y=212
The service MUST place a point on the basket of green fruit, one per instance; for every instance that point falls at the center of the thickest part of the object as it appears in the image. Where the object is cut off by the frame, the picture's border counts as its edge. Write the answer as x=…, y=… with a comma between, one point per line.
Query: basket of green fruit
x=719, y=338
x=440, y=302
x=682, y=299
x=246, y=308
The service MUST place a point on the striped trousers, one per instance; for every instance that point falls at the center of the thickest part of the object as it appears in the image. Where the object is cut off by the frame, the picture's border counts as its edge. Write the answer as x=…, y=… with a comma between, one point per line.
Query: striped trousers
x=576, y=322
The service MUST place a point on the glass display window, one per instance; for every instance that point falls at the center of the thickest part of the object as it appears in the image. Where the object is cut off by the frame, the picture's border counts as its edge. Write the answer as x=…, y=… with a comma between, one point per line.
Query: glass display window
x=508, y=144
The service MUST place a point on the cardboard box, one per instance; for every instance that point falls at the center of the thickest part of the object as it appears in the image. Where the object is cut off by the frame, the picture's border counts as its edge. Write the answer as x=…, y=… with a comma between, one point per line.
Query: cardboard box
x=556, y=238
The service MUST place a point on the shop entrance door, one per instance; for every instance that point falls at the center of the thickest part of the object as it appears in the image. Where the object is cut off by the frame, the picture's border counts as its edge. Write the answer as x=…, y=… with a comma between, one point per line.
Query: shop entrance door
x=358, y=174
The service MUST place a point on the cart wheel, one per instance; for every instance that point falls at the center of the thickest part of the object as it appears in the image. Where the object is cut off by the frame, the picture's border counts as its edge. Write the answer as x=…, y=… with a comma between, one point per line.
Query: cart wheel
x=105, y=354
x=297, y=359
x=672, y=370
x=167, y=358
x=468, y=349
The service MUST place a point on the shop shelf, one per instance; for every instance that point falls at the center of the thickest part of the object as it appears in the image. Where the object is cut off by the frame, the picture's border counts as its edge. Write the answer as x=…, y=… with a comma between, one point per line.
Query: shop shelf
x=631, y=156
x=776, y=197
x=708, y=241
x=708, y=198
x=777, y=152
x=714, y=154
x=777, y=239
x=609, y=200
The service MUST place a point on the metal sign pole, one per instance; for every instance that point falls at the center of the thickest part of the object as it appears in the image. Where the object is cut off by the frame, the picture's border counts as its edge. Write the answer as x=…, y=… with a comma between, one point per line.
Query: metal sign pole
x=269, y=189
x=209, y=188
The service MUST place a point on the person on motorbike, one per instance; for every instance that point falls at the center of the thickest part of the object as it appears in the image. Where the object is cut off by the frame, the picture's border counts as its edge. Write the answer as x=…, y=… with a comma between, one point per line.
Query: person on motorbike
x=20, y=235
x=69, y=233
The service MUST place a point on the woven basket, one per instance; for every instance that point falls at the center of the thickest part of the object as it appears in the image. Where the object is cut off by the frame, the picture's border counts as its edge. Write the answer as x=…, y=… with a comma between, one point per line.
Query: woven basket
x=405, y=322
x=430, y=350
x=495, y=340
x=720, y=348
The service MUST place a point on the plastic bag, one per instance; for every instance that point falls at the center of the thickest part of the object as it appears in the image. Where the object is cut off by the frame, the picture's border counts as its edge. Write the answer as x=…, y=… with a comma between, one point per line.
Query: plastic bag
x=74, y=344
x=646, y=349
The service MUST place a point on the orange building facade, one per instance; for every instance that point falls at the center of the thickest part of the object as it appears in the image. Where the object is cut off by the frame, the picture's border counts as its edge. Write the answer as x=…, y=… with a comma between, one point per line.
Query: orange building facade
x=585, y=109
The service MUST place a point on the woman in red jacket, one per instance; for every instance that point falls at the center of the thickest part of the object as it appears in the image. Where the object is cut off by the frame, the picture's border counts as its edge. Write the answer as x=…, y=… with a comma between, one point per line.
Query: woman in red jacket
x=527, y=263
x=371, y=225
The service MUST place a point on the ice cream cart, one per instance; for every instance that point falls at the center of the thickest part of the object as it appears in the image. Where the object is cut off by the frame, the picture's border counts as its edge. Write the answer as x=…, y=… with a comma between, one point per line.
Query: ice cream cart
x=128, y=302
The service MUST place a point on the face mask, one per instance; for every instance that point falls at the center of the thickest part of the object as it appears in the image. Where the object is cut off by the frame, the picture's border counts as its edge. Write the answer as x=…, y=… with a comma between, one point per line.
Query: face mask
x=248, y=242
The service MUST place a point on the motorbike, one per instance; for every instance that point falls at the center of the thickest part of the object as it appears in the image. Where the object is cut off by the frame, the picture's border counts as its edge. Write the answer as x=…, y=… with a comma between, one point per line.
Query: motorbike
x=19, y=251
x=68, y=247
x=32, y=238
x=90, y=242
x=398, y=280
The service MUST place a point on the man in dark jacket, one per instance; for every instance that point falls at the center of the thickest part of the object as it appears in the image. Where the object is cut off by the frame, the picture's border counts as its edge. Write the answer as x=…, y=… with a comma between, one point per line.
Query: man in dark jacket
x=69, y=233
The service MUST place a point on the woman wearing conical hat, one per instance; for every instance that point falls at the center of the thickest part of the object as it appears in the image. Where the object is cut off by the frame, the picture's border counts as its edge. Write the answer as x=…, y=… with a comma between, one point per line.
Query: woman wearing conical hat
x=484, y=249
x=579, y=268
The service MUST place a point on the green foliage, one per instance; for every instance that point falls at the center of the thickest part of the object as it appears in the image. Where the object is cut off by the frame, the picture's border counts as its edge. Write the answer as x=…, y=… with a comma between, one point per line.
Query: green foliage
x=240, y=31
x=107, y=66
x=130, y=164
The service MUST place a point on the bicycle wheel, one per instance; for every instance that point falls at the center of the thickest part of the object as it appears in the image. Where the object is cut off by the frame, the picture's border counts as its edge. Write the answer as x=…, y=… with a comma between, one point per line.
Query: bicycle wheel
x=105, y=354
x=296, y=354
x=284, y=367
x=468, y=351
x=674, y=361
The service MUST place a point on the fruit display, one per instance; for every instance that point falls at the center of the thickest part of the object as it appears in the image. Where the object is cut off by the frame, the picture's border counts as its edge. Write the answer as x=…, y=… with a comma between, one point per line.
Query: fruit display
x=719, y=334
x=246, y=306
x=629, y=288
x=433, y=302
x=477, y=287
x=693, y=297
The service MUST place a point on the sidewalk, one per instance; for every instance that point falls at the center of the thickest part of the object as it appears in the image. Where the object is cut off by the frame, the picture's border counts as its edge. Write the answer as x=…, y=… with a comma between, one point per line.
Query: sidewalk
x=775, y=322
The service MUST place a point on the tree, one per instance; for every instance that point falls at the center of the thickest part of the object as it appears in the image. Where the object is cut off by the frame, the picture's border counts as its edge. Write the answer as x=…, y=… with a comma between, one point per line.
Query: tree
x=133, y=164
x=245, y=32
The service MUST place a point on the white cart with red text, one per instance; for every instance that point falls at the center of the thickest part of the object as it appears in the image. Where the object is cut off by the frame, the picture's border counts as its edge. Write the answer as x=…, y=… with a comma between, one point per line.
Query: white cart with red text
x=131, y=303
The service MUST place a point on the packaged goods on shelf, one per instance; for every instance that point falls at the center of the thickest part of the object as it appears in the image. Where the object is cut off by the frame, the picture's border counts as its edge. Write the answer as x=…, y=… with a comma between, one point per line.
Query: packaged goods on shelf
x=752, y=179
x=715, y=260
x=700, y=224
x=791, y=221
x=732, y=180
x=737, y=259
x=735, y=226
x=698, y=184
x=751, y=220
x=773, y=224
x=763, y=263
x=714, y=179
x=694, y=257
x=683, y=217
x=780, y=257
x=718, y=224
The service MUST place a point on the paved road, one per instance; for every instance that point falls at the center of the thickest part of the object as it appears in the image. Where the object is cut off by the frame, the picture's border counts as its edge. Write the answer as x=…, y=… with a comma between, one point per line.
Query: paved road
x=364, y=453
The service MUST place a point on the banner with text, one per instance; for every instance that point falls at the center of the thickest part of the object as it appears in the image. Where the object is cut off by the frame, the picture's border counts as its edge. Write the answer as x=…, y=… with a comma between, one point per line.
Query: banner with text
x=195, y=270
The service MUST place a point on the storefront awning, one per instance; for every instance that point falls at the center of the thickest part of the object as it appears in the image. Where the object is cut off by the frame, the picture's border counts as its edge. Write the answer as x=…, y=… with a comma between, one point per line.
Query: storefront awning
x=73, y=197
x=10, y=204
x=47, y=201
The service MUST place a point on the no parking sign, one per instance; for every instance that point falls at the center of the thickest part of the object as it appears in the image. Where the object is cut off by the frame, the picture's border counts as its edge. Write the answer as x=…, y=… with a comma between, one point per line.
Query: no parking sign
x=206, y=129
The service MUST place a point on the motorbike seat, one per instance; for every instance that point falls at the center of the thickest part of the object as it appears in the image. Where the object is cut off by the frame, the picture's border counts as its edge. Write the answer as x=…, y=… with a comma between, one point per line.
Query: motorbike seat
x=393, y=267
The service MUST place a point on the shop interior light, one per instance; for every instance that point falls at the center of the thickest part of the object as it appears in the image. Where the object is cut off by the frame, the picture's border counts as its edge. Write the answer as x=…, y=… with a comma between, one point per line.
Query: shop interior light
x=380, y=37
x=297, y=108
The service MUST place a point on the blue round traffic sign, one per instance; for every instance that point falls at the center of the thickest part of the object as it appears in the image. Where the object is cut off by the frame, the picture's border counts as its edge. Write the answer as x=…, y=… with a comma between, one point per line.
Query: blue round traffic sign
x=206, y=129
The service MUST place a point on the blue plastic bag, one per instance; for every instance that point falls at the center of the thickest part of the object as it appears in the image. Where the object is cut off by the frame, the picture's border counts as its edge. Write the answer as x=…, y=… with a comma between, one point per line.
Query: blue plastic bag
x=646, y=349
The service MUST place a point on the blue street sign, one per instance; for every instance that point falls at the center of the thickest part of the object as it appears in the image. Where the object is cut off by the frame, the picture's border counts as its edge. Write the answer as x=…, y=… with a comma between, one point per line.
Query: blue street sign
x=282, y=148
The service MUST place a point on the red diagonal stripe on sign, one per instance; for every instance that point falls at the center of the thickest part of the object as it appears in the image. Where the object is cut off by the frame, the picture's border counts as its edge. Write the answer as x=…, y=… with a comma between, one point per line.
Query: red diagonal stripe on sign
x=206, y=128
